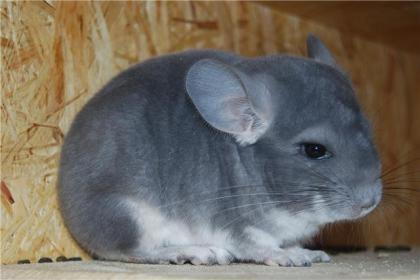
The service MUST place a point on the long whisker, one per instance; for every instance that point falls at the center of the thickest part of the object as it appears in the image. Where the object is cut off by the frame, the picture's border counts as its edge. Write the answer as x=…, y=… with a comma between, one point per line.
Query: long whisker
x=400, y=188
x=399, y=166
x=403, y=175
x=240, y=217
x=319, y=205
x=289, y=194
x=251, y=204
x=194, y=196
x=392, y=207
x=234, y=195
x=399, y=198
x=262, y=219
x=323, y=205
x=402, y=181
x=213, y=192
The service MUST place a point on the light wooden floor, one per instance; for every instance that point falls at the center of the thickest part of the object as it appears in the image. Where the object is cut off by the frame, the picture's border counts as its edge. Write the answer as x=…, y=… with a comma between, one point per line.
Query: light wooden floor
x=365, y=265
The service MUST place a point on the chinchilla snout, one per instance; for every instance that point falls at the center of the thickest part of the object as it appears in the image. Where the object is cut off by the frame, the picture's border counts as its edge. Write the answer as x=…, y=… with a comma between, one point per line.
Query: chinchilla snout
x=365, y=199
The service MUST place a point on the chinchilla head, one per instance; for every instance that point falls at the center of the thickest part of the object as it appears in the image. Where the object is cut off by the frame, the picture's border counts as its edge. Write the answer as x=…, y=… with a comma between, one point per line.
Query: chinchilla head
x=301, y=119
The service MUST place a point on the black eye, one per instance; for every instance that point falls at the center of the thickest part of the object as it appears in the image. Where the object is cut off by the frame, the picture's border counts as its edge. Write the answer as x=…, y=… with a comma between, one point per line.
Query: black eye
x=315, y=151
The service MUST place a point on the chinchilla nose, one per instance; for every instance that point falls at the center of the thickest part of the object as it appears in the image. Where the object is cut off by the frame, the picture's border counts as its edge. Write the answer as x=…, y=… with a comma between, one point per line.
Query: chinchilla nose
x=368, y=196
x=368, y=203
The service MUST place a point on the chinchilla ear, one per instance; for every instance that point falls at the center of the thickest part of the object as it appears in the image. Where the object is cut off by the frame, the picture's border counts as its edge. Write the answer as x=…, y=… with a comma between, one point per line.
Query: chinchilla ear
x=318, y=51
x=220, y=94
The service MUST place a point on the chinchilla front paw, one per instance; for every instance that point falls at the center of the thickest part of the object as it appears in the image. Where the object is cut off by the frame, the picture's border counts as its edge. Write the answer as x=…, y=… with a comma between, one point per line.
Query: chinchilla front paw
x=196, y=255
x=293, y=256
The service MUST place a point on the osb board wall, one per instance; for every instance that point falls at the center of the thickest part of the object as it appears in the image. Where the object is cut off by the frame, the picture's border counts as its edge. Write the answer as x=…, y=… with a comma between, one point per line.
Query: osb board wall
x=55, y=55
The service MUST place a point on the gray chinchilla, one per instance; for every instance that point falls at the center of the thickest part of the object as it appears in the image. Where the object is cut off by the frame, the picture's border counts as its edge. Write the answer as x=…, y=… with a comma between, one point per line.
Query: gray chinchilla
x=208, y=157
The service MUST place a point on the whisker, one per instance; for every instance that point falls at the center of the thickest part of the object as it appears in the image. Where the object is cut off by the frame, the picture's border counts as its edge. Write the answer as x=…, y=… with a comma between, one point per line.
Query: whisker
x=248, y=205
x=322, y=206
x=193, y=197
x=402, y=181
x=399, y=202
x=315, y=206
x=399, y=188
x=399, y=166
x=403, y=175
x=392, y=207
x=405, y=200
x=213, y=192
x=405, y=195
x=263, y=218
x=291, y=202
x=239, y=217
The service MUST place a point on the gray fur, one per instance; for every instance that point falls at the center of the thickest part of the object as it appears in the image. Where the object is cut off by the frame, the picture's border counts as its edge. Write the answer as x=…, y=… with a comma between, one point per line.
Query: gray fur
x=195, y=157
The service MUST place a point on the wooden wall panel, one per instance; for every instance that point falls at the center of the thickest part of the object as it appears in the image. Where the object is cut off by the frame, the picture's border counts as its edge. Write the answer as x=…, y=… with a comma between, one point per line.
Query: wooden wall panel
x=52, y=63
x=394, y=23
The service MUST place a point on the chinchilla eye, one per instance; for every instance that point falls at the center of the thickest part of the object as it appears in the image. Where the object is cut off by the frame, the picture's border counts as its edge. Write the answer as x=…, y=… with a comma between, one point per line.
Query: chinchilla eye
x=315, y=151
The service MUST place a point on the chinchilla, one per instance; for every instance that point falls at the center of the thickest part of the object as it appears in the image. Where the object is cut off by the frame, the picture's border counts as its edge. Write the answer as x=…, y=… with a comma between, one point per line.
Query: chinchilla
x=208, y=157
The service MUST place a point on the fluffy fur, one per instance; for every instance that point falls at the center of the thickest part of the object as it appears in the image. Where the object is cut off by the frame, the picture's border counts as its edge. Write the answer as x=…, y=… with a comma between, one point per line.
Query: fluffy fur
x=196, y=157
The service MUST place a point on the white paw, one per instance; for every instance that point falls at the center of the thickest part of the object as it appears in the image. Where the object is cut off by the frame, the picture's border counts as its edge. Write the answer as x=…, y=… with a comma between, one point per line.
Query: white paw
x=318, y=256
x=196, y=255
x=295, y=256
x=278, y=258
x=200, y=255
x=305, y=257
x=223, y=257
